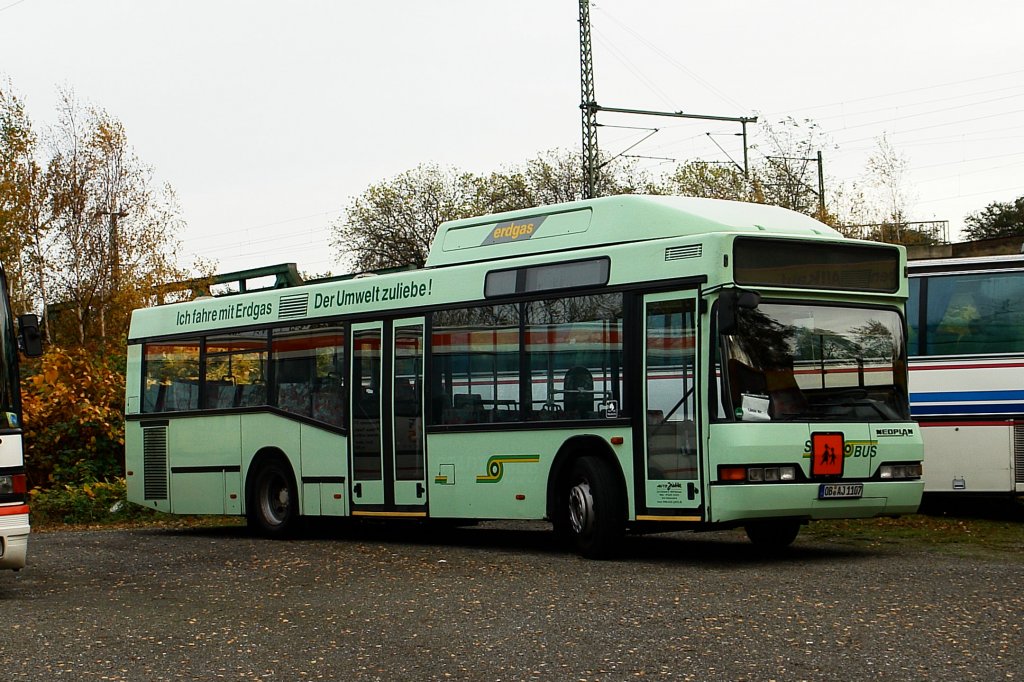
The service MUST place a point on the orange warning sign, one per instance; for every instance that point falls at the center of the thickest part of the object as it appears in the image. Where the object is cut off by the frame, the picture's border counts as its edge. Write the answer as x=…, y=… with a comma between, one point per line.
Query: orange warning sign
x=827, y=454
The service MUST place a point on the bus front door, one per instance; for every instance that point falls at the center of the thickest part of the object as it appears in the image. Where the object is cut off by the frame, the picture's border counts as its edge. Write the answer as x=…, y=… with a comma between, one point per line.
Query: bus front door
x=386, y=430
x=672, y=480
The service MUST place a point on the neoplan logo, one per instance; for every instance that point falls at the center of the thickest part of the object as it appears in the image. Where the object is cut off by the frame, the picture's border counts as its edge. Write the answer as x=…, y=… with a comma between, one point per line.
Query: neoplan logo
x=889, y=433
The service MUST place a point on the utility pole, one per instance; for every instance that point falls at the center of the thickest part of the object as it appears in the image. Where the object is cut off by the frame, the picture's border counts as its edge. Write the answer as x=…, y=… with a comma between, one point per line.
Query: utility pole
x=821, y=189
x=113, y=247
x=590, y=107
x=821, y=178
x=112, y=244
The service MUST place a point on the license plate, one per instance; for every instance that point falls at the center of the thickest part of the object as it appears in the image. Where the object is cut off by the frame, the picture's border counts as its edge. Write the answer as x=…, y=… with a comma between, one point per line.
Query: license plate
x=840, y=491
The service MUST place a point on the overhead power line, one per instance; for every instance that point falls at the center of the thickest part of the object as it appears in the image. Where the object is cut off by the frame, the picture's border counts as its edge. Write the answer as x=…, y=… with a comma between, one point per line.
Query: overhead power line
x=903, y=92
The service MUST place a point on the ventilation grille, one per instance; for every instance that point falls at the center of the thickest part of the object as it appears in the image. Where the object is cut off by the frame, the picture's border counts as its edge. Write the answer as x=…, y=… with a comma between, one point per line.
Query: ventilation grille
x=1018, y=453
x=154, y=462
x=293, y=305
x=681, y=252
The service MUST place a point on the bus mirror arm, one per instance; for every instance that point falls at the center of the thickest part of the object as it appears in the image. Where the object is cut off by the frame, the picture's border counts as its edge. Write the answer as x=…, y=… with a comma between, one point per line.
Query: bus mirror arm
x=29, y=338
x=729, y=300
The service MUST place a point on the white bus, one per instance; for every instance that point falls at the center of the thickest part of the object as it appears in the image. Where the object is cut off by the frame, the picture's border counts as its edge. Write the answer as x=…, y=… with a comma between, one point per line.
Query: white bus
x=14, y=523
x=966, y=320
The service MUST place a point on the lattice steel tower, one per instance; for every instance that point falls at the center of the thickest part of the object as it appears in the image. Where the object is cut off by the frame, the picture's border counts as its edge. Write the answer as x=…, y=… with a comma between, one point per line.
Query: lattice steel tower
x=588, y=105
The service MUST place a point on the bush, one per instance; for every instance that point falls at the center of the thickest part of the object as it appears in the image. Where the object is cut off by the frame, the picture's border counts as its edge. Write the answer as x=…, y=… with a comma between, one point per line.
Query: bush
x=73, y=405
x=89, y=503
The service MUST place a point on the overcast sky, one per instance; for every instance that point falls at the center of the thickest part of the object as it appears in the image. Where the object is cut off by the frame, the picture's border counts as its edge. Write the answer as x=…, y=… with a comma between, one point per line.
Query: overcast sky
x=267, y=118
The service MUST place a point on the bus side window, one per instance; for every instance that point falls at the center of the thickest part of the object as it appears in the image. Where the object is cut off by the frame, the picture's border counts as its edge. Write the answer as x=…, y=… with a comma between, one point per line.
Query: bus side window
x=328, y=403
x=250, y=395
x=578, y=387
x=182, y=395
x=221, y=394
x=468, y=408
x=153, y=399
x=440, y=403
x=295, y=397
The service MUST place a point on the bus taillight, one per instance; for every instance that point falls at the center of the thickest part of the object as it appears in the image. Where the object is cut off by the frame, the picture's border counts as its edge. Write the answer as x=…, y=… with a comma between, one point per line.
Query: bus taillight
x=732, y=473
x=757, y=474
x=14, y=484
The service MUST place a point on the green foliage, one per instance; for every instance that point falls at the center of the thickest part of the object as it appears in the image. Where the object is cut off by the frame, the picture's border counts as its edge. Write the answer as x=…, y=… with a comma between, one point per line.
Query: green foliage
x=998, y=219
x=97, y=502
x=712, y=181
x=73, y=408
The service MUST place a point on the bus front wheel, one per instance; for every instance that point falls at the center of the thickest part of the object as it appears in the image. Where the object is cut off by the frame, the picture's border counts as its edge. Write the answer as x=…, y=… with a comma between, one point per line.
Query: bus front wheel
x=274, y=505
x=774, y=534
x=593, y=516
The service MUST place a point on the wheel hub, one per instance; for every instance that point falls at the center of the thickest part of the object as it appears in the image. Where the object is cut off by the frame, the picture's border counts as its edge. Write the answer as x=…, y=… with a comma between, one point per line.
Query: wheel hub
x=581, y=508
x=275, y=501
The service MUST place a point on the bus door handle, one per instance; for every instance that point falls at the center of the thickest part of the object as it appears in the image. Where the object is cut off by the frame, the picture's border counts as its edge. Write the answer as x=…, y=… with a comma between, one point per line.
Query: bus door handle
x=420, y=489
x=357, y=490
x=691, y=490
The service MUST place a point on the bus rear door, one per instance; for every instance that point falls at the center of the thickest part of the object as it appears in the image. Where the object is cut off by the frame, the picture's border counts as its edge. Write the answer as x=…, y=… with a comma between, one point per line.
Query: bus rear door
x=386, y=431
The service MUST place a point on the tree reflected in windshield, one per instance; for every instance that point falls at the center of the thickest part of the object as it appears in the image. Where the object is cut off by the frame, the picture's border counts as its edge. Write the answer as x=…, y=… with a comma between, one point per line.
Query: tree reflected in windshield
x=790, y=362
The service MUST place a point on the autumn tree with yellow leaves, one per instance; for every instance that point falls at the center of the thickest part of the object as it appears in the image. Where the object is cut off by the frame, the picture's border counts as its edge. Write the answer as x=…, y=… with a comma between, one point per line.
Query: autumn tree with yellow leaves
x=86, y=236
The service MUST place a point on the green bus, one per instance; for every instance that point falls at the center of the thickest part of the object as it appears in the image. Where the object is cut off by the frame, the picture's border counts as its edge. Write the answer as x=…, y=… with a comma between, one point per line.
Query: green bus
x=628, y=363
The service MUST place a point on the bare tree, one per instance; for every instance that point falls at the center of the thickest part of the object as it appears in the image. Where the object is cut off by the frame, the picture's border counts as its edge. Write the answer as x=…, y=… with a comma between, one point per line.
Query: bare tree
x=393, y=222
x=76, y=267
x=113, y=236
x=887, y=175
x=888, y=197
x=787, y=176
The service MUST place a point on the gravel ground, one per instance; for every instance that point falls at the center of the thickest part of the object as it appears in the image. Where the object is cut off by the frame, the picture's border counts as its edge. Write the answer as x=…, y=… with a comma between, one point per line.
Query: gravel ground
x=501, y=601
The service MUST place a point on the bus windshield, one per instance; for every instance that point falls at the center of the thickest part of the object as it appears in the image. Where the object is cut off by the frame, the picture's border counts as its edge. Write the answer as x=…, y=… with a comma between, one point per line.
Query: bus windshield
x=793, y=362
x=9, y=390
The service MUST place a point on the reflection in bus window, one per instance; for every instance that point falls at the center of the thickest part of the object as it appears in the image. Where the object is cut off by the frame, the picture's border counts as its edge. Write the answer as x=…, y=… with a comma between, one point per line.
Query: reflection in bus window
x=974, y=314
x=793, y=362
x=408, y=401
x=366, y=405
x=309, y=363
x=171, y=376
x=671, y=333
x=475, y=355
x=236, y=370
x=574, y=352
x=573, y=361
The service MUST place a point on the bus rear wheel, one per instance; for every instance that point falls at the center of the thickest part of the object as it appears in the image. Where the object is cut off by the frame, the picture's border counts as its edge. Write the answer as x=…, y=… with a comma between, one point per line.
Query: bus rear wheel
x=274, y=504
x=593, y=517
x=774, y=534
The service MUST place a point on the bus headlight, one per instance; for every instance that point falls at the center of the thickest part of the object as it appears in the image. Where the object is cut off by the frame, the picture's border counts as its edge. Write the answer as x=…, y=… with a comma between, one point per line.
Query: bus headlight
x=902, y=472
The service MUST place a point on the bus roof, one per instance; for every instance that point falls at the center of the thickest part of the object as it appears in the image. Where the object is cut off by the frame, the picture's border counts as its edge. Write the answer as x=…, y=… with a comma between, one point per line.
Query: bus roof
x=596, y=222
x=966, y=263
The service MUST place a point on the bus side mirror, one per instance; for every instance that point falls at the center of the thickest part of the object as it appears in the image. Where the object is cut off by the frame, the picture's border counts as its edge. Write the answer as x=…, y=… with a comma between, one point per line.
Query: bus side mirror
x=729, y=301
x=29, y=338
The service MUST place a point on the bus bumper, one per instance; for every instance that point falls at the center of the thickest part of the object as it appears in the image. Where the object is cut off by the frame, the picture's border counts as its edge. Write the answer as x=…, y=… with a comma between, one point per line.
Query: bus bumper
x=14, y=530
x=730, y=503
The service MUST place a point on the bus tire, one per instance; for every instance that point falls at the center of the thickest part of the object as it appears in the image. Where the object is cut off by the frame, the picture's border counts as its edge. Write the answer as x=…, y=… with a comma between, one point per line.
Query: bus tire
x=594, y=518
x=775, y=534
x=274, y=504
